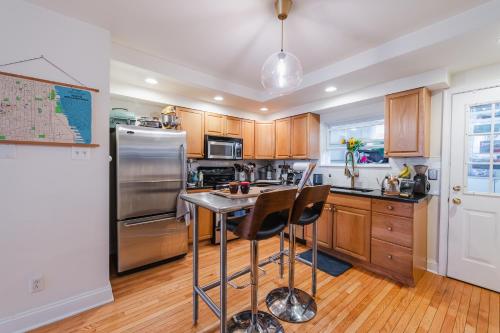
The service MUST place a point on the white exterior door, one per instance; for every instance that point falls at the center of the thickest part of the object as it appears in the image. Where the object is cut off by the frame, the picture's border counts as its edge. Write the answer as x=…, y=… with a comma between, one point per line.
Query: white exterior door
x=474, y=205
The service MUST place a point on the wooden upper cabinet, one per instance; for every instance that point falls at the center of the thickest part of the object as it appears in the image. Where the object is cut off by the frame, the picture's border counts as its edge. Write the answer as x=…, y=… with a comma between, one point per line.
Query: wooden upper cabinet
x=325, y=228
x=214, y=124
x=304, y=143
x=248, y=135
x=407, y=123
x=264, y=140
x=351, y=234
x=283, y=132
x=193, y=123
x=233, y=127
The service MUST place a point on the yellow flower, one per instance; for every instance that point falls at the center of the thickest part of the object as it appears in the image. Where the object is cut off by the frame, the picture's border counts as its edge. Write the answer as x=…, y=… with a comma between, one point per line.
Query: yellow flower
x=342, y=141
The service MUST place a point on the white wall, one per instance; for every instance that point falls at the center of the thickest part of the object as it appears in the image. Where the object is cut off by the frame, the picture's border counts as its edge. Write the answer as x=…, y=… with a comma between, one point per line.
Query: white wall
x=54, y=210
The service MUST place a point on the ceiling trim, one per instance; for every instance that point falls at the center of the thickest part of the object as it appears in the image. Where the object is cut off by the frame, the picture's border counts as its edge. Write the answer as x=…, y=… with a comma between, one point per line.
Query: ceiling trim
x=130, y=91
x=434, y=80
x=180, y=73
x=439, y=32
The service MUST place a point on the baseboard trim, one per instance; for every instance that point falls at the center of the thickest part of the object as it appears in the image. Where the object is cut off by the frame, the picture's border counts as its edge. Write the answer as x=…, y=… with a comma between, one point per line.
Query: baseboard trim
x=432, y=266
x=52, y=312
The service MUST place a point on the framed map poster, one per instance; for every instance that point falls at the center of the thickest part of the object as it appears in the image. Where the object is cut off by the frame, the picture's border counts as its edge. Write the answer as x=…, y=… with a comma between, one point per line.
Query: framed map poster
x=36, y=111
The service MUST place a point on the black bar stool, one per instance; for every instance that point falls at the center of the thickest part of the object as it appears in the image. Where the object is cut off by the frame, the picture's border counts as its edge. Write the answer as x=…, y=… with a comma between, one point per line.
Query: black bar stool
x=267, y=219
x=289, y=303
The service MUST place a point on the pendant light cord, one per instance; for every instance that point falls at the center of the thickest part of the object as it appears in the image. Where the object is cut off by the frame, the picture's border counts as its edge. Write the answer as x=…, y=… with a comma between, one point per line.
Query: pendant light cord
x=282, y=35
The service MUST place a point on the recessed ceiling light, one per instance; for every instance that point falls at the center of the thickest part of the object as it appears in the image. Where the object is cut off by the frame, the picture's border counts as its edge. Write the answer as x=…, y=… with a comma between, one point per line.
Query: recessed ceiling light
x=264, y=109
x=219, y=98
x=150, y=80
x=331, y=89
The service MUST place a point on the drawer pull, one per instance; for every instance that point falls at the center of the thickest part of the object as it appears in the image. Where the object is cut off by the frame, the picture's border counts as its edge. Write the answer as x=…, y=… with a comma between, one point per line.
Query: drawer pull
x=389, y=228
x=390, y=207
x=389, y=256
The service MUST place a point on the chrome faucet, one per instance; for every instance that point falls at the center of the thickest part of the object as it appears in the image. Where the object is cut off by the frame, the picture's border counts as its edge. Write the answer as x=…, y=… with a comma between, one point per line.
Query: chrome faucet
x=350, y=172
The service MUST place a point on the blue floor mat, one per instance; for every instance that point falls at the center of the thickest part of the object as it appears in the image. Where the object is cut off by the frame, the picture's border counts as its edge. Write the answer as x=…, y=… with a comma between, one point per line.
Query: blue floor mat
x=327, y=264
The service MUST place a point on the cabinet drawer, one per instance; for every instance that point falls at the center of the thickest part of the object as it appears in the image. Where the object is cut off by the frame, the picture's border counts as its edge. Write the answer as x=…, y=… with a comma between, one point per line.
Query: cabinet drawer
x=392, y=207
x=393, y=257
x=349, y=201
x=392, y=229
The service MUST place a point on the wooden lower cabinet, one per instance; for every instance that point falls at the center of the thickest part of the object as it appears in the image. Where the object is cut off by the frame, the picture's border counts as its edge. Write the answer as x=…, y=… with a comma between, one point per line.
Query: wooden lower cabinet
x=351, y=234
x=387, y=237
x=325, y=228
x=206, y=222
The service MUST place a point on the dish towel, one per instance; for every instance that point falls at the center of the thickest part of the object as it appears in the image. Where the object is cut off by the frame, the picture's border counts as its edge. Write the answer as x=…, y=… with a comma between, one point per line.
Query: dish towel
x=183, y=209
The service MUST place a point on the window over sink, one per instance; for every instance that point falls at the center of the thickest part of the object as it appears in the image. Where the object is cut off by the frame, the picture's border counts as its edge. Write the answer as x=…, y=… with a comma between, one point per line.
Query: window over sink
x=371, y=134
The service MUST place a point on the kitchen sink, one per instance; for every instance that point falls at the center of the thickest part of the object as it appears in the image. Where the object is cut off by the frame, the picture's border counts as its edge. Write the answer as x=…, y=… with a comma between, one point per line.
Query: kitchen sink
x=356, y=189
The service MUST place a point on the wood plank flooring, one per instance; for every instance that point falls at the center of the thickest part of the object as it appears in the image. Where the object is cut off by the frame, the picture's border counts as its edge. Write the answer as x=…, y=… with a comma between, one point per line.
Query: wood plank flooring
x=159, y=300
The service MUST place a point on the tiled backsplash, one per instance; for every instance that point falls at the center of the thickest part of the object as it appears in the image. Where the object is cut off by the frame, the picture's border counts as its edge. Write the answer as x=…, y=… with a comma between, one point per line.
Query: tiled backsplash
x=369, y=174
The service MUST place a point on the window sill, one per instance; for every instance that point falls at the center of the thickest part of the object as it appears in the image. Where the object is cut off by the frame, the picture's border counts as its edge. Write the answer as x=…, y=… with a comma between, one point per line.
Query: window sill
x=341, y=165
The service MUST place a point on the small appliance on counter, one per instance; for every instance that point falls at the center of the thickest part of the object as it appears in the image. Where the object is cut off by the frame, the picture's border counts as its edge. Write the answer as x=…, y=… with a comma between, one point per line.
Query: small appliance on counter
x=267, y=172
x=406, y=188
x=390, y=185
x=422, y=185
x=317, y=179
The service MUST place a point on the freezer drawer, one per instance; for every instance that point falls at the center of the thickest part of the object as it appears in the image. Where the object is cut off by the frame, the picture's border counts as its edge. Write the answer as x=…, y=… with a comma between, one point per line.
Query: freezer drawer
x=142, y=241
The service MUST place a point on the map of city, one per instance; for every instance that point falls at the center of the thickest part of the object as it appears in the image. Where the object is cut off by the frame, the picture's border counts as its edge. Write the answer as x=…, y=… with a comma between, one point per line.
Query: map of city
x=33, y=110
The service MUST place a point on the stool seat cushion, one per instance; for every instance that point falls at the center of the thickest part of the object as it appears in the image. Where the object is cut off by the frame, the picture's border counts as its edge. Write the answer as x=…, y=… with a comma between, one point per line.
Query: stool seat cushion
x=271, y=226
x=308, y=216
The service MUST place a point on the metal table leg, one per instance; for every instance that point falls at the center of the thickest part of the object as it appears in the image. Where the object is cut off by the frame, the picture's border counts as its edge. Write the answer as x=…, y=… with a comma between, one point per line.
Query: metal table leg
x=314, y=256
x=223, y=273
x=282, y=256
x=195, y=265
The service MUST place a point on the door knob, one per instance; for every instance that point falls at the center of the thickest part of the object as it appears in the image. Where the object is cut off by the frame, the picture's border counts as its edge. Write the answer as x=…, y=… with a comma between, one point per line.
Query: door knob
x=457, y=188
x=457, y=201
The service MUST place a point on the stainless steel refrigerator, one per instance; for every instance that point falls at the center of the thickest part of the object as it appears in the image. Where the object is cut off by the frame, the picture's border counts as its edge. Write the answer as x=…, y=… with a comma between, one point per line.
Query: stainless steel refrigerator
x=148, y=172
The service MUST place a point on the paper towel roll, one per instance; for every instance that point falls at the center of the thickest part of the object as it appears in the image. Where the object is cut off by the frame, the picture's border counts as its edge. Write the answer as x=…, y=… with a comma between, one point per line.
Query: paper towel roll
x=300, y=166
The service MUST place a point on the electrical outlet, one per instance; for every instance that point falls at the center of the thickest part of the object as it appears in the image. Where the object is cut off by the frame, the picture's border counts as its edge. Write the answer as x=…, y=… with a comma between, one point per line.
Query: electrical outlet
x=36, y=284
x=78, y=153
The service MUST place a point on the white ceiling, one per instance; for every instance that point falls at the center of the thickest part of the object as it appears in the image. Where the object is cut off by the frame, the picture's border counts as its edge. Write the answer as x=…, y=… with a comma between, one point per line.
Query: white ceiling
x=200, y=48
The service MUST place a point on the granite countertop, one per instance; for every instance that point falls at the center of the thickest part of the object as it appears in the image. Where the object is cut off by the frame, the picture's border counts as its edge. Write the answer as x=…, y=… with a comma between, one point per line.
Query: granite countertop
x=377, y=194
x=205, y=187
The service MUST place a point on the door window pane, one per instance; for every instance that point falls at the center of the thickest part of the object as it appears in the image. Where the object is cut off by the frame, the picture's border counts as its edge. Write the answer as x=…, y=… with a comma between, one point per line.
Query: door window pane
x=483, y=168
x=479, y=148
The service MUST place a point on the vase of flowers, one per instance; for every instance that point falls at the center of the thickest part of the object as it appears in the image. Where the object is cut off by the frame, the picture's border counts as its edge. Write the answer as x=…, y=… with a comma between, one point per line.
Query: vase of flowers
x=353, y=145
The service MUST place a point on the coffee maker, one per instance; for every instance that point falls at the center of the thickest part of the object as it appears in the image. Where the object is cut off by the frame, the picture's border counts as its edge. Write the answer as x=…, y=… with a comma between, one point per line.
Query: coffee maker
x=422, y=185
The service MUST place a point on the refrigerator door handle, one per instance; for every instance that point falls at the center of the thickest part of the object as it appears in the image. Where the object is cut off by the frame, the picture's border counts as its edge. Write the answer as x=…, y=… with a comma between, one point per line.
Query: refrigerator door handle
x=136, y=224
x=183, y=166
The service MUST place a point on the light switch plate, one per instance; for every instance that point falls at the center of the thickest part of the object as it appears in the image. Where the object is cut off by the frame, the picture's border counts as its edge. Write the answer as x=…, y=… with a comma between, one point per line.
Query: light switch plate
x=8, y=152
x=432, y=174
x=78, y=153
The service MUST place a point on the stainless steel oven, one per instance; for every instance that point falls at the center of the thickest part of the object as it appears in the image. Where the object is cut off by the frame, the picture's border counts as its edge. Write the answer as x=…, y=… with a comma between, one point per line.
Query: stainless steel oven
x=223, y=148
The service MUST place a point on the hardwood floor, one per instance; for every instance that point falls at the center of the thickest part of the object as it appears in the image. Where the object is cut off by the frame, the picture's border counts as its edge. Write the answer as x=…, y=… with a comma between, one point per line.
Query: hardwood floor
x=159, y=300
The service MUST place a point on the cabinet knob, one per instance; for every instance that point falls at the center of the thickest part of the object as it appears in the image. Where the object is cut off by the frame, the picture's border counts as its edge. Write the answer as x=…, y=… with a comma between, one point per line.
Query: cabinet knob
x=389, y=256
x=390, y=207
x=389, y=228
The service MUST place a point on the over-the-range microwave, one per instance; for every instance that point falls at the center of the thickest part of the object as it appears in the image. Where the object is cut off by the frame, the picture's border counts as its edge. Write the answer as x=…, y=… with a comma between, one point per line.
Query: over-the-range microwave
x=223, y=148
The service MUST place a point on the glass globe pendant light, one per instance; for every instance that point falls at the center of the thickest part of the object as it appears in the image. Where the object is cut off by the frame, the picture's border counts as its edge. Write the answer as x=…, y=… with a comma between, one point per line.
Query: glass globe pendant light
x=281, y=73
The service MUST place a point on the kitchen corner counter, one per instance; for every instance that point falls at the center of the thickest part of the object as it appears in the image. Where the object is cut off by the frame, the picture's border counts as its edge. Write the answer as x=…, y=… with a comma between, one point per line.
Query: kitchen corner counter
x=377, y=194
